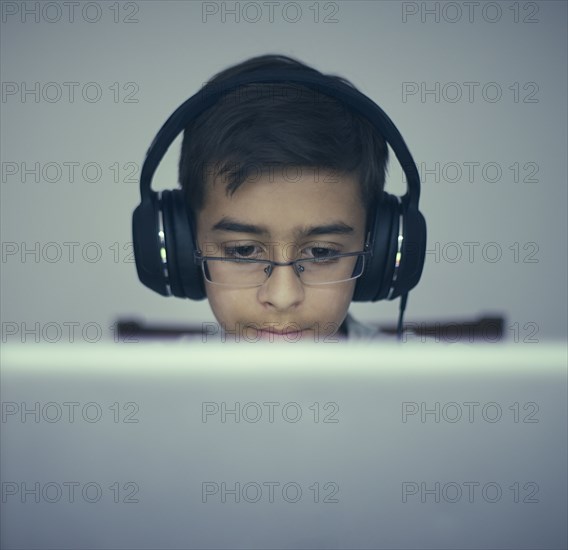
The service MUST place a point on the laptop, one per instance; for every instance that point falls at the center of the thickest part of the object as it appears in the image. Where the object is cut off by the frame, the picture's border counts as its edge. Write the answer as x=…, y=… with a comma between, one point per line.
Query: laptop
x=223, y=446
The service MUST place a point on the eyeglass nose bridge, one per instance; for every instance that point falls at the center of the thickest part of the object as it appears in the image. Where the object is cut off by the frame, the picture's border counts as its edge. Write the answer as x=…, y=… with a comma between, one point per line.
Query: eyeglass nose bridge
x=296, y=265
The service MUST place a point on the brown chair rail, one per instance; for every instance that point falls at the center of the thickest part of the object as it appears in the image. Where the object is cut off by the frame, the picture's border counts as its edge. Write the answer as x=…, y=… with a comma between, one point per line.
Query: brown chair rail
x=489, y=328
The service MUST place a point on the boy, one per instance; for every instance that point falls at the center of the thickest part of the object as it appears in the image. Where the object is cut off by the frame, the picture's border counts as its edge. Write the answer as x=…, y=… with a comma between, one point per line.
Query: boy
x=280, y=183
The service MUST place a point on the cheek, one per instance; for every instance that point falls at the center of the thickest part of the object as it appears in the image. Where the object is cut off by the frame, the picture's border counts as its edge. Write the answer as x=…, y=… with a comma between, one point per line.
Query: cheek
x=331, y=301
x=229, y=305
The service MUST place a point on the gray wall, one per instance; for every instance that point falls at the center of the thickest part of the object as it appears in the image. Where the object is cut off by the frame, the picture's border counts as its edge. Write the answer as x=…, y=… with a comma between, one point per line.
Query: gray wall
x=393, y=51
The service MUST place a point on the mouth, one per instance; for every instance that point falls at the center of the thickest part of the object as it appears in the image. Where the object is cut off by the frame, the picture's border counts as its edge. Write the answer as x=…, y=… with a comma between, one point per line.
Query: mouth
x=291, y=334
x=276, y=336
x=280, y=333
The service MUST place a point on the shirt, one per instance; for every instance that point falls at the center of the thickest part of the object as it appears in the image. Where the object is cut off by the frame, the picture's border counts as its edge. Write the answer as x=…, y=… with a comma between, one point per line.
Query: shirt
x=354, y=331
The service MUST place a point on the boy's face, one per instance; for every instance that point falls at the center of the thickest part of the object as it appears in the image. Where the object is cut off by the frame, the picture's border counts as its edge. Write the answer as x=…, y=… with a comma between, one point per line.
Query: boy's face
x=279, y=219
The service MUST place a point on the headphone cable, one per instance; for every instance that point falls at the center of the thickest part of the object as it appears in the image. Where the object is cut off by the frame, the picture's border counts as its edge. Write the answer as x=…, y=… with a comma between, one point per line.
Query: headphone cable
x=403, y=299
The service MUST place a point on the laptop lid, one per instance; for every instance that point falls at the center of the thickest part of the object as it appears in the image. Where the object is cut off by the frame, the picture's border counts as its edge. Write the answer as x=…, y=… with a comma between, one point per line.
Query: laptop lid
x=165, y=445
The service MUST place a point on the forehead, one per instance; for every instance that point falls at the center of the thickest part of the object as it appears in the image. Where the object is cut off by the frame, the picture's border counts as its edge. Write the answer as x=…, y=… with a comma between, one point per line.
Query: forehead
x=283, y=202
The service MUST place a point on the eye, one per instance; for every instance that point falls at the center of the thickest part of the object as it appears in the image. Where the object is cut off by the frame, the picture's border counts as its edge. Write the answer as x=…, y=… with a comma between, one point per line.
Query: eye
x=242, y=251
x=321, y=252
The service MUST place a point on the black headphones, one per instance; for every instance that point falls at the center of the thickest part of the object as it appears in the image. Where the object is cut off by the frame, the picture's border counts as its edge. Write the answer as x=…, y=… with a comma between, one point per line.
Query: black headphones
x=164, y=244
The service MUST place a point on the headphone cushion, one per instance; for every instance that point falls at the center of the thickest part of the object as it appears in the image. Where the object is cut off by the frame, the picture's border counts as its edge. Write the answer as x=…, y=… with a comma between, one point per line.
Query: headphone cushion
x=186, y=279
x=370, y=285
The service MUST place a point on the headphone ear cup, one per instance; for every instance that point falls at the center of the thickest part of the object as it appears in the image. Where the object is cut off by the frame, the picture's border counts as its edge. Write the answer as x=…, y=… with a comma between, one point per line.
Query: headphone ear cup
x=377, y=282
x=146, y=244
x=383, y=229
x=186, y=279
x=413, y=252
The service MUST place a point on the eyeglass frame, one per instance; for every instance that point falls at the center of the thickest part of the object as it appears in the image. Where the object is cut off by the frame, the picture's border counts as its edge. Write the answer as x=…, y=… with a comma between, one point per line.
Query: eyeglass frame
x=271, y=264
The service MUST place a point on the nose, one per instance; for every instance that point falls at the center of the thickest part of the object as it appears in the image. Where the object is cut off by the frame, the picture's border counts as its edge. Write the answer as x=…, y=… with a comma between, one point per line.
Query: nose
x=282, y=290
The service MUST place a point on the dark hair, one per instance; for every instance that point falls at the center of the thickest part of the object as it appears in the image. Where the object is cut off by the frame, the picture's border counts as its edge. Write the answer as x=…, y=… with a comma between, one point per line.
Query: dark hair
x=263, y=125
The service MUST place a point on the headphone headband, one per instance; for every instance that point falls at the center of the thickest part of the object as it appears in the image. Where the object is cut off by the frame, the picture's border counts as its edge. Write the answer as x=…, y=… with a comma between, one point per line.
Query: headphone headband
x=211, y=93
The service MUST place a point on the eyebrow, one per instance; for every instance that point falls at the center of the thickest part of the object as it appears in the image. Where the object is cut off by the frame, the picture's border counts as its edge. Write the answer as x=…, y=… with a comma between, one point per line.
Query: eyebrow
x=336, y=228
x=235, y=226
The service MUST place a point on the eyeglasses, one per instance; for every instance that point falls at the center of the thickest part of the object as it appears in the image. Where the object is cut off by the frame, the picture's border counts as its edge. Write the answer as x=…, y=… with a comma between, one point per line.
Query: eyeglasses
x=248, y=272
